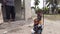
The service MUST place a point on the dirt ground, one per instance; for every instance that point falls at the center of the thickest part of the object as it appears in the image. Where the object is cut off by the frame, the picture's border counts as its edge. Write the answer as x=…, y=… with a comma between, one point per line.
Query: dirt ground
x=24, y=27
x=51, y=27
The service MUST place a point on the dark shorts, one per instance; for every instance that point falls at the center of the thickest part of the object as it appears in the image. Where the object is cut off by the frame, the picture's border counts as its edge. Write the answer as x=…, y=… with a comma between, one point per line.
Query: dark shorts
x=38, y=29
x=10, y=12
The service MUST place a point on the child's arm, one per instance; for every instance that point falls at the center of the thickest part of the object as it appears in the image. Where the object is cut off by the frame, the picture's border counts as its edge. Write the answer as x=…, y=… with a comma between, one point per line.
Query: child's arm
x=36, y=21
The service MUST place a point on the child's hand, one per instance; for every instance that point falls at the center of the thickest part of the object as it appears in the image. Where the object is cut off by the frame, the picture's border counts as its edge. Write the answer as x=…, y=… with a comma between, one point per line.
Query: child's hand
x=39, y=25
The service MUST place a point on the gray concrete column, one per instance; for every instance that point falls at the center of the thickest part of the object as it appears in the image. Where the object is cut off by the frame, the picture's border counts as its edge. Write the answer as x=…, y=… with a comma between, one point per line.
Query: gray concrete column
x=28, y=13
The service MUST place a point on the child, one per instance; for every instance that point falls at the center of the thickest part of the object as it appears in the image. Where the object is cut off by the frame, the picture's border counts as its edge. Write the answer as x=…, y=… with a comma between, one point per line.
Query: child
x=38, y=24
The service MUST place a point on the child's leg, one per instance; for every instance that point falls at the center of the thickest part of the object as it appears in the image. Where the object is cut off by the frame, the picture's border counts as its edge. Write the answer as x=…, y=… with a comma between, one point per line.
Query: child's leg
x=35, y=28
x=40, y=30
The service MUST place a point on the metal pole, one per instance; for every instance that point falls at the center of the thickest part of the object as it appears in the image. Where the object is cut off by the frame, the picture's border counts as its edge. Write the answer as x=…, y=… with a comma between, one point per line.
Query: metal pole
x=43, y=12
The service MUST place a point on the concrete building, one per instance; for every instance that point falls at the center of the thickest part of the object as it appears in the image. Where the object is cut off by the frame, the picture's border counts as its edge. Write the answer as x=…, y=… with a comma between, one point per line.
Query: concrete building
x=22, y=8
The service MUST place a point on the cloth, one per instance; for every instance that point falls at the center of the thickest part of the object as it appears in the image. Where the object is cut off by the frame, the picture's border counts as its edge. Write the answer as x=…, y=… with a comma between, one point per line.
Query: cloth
x=8, y=2
x=38, y=29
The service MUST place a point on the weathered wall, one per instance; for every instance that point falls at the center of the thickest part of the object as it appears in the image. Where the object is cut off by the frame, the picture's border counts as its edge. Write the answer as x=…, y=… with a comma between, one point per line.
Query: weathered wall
x=28, y=13
x=19, y=11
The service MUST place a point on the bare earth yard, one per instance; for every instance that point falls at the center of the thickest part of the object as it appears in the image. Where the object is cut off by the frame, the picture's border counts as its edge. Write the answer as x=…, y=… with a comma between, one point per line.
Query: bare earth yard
x=24, y=27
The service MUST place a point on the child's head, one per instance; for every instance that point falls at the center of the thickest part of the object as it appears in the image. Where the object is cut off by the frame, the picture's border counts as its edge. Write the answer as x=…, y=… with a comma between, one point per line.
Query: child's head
x=36, y=21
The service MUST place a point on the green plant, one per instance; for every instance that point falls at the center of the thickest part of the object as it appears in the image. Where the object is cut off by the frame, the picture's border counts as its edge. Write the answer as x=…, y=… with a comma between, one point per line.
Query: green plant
x=36, y=3
x=53, y=5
